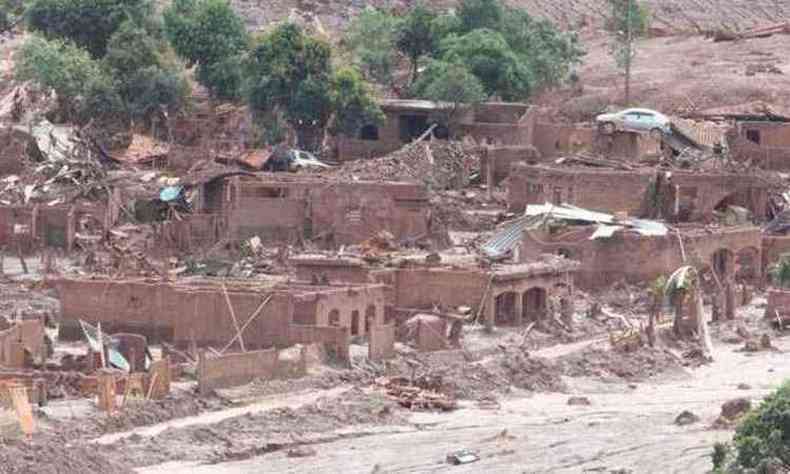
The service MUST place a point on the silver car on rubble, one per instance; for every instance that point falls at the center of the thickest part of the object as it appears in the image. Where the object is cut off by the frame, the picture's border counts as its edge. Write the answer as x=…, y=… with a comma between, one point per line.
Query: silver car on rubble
x=635, y=120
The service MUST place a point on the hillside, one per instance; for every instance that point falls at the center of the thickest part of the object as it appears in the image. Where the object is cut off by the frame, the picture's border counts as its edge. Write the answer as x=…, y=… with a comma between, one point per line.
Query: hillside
x=673, y=15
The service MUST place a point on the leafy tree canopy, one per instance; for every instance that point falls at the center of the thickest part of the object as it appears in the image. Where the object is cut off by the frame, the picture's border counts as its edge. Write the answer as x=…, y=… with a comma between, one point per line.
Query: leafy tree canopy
x=371, y=39
x=451, y=83
x=489, y=57
x=416, y=36
x=353, y=102
x=87, y=23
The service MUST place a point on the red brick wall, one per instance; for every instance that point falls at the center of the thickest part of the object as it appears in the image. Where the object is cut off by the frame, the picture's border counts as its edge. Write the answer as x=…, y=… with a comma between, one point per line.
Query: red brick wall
x=635, y=258
x=162, y=311
x=555, y=139
x=503, y=158
x=624, y=191
x=336, y=339
x=593, y=190
x=231, y=370
x=422, y=288
x=497, y=134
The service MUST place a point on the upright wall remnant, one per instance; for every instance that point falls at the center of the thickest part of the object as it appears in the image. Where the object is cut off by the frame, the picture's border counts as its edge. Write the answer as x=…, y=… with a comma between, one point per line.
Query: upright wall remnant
x=336, y=340
x=697, y=195
x=381, y=342
x=235, y=369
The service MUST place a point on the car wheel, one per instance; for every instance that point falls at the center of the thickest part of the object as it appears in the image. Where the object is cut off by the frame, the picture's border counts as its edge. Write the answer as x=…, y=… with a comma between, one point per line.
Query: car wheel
x=608, y=128
x=656, y=134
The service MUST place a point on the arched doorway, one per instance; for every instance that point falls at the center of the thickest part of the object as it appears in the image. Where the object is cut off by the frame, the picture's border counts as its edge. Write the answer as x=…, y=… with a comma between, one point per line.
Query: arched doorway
x=505, y=309
x=534, y=304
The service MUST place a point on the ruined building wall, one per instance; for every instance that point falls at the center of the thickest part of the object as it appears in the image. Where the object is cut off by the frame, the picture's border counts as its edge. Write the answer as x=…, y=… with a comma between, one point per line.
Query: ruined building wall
x=773, y=248
x=422, y=288
x=634, y=258
x=13, y=151
x=770, y=157
x=606, y=191
x=553, y=139
x=625, y=191
x=162, y=311
x=502, y=158
x=342, y=213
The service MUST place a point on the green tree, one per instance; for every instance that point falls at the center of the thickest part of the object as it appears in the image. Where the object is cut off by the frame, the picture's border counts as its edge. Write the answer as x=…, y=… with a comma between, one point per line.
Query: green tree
x=210, y=34
x=67, y=70
x=452, y=84
x=353, y=102
x=154, y=90
x=129, y=50
x=629, y=20
x=488, y=56
x=548, y=52
x=371, y=39
x=290, y=73
x=477, y=14
x=87, y=23
x=144, y=78
x=417, y=36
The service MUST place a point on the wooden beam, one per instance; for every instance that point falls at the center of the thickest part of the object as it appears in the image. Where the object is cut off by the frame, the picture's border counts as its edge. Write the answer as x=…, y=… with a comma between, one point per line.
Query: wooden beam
x=251, y=318
x=233, y=317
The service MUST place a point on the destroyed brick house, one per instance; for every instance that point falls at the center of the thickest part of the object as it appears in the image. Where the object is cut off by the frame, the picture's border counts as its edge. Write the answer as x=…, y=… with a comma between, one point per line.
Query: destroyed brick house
x=676, y=195
x=495, y=124
x=59, y=226
x=290, y=209
x=507, y=294
x=271, y=313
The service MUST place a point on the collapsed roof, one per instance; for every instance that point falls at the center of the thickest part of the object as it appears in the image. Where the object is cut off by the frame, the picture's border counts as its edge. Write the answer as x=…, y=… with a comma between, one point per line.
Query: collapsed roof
x=535, y=215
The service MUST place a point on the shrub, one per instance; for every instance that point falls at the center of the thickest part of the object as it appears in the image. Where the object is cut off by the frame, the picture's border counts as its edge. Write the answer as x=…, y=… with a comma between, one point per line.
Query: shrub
x=762, y=440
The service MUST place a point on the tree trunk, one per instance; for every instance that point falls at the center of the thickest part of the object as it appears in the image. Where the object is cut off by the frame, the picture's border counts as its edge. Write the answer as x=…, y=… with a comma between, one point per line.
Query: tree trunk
x=655, y=311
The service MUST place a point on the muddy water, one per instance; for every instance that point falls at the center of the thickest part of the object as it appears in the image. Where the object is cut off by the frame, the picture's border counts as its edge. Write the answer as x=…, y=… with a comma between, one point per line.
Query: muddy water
x=625, y=427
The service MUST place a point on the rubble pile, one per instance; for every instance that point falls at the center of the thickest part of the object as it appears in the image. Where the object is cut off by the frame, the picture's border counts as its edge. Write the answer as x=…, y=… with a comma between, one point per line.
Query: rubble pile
x=62, y=165
x=438, y=164
x=422, y=393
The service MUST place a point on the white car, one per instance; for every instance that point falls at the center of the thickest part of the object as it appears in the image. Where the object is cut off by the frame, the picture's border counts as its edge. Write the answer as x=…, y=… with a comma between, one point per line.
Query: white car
x=635, y=120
